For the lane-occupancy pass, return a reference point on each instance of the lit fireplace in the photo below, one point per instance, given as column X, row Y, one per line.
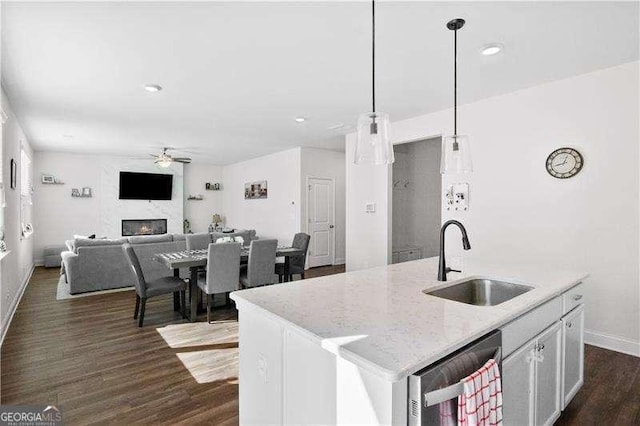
column 143, row 227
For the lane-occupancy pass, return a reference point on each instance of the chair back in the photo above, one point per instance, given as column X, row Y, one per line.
column 223, row 268
column 262, row 261
column 132, row 258
column 300, row 241
column 198, row 241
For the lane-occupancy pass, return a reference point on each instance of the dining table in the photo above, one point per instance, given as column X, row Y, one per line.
column 194, row 260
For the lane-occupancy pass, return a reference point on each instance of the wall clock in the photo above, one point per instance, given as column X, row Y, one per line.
column 564, row 163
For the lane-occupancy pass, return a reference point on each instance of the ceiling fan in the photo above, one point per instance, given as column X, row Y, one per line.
column 165, row 160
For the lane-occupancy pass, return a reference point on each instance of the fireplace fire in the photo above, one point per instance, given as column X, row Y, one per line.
column 132, row 227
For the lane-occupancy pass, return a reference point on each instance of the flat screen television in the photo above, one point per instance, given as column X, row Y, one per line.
column 145, row 186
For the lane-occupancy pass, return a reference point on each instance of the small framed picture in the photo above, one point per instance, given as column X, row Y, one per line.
column 86, row 191
column 75, row 192
column 207, row 186
column 48, row 179
column 216, row 186
column 255, row 190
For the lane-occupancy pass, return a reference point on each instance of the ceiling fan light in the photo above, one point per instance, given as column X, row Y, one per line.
column 456, row 155
column 163, row 162
column 373, row 145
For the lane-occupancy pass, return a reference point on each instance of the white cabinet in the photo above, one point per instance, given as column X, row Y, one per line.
column 548, row 366
column 518, row 378
column 572, row 354
column 531, row 380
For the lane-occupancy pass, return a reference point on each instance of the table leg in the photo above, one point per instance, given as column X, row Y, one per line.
column 286, row 269
column 193, row 293
column 176, row 294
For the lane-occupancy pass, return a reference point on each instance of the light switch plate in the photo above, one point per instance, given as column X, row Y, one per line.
column 370, row 208
column 456, row 197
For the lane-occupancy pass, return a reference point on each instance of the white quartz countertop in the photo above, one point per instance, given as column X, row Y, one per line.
column 380, row 320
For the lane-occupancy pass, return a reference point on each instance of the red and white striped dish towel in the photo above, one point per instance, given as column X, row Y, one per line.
column 481, row 402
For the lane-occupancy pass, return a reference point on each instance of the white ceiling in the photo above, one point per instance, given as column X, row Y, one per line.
column 235, row 75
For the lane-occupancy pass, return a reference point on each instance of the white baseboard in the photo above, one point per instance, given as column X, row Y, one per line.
column 614, row 343
column 339, row 261
column 14, row 304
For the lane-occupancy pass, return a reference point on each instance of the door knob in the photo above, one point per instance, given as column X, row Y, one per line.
column 331, row 226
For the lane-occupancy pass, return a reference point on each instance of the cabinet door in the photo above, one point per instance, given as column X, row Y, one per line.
column 572, row 354
column 548, row 356
column 403, row 256
column 518, row 386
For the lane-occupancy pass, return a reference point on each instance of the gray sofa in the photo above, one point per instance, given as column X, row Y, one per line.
column 100, row 264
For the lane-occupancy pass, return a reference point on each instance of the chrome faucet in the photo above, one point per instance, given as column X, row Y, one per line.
column 442, row 268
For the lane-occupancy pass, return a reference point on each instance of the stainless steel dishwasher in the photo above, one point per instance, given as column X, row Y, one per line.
column 433, row 391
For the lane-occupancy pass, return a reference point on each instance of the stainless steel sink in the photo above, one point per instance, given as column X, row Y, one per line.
column 480, row 291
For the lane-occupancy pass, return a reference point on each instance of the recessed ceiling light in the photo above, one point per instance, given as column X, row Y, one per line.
column 67, row 136
column 300, row 119
column 491, row 49
column 152, row 88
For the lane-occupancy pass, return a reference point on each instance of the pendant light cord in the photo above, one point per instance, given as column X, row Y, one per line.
column 373, row 55
column 455, row 83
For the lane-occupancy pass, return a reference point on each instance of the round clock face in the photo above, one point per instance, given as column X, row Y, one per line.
column 564, row 163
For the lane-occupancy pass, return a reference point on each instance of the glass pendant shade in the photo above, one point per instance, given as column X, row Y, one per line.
column 456, row 155
column 373, row 145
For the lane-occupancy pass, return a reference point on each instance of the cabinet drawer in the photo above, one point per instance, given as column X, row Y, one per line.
column 572, row 298
column 527, row 326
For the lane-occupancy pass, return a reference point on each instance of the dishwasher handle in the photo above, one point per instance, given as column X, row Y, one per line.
column 437, row 396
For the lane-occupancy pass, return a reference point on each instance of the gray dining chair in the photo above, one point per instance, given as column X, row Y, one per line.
column 198, row 241
column 296, row 263
column 147, row 289
column 259, row 270
column 223, row 272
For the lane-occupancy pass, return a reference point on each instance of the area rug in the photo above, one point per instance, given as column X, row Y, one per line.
column 64, row 292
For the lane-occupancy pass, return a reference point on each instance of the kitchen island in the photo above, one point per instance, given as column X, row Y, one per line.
column 338, row 349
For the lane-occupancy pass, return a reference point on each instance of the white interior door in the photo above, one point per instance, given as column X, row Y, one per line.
column 320, row 214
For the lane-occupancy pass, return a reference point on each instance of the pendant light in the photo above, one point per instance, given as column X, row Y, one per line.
column 456, row 155
column 373, row 145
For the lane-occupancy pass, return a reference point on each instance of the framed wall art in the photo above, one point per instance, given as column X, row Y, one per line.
column 255, row 190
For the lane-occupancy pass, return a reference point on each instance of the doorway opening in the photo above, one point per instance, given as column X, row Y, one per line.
column 416, row 200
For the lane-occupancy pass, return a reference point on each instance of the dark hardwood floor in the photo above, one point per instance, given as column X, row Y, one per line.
column 88, row 356
column 611, row 391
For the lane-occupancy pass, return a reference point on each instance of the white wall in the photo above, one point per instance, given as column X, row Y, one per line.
column 278, row 215
column 16, row 266
column 518, row 213
column 326, row 164
column 58, row 216
column 199, row 213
